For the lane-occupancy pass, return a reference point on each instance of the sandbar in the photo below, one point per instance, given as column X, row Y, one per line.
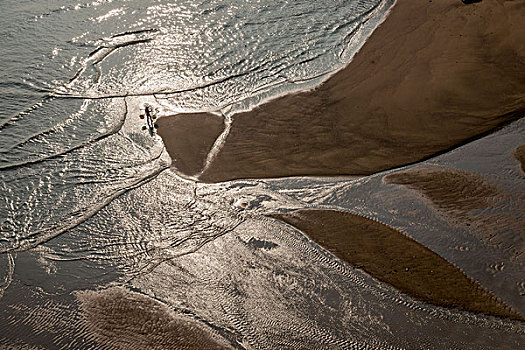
column 189, row 138
column 392, row 257
column 433, row 76
column 121, row 319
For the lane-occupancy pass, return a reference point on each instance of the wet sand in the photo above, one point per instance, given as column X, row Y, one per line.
column 392, row 257
column 468, row 199
column 187, row 144
column 121, row 319
column 454, row 191
column 431, row 77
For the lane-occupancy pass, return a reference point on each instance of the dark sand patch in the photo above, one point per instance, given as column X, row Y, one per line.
column 432, row 76
column 493, row 216
column 126, row 320
column 454, row 191
column 189, row 138
column 396, row 259
column 520, row 156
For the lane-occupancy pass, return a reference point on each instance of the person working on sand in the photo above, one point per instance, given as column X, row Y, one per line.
column 149, row 116
column 148, row 113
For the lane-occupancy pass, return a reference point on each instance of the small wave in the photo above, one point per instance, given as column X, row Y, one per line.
column 36, row 237
column 57, row 129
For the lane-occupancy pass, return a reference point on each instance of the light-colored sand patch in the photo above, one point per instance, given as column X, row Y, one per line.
column 122, row 319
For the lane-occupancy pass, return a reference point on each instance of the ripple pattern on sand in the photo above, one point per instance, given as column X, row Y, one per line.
column 392, row 257
column 123, row 319
column 474, row 202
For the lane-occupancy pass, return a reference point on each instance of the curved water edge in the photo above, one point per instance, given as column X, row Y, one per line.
column 358, row 28
column 55, row 192
column 56, row 133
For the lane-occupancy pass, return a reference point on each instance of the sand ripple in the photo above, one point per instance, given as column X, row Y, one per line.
column 392, row 257
column 127, row 320
column 468, row 199
column 457, row 192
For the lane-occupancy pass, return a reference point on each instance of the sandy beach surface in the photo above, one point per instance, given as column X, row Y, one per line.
column 396, row 259
column 434, row 75
column 115, row 237
column 188, row 145
column 122, row 319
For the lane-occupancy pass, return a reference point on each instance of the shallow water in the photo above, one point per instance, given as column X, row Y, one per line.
column 74, row 78
column 89, row 202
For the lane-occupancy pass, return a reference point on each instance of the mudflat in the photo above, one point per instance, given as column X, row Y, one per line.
column 392, row 257
column 189, row 138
